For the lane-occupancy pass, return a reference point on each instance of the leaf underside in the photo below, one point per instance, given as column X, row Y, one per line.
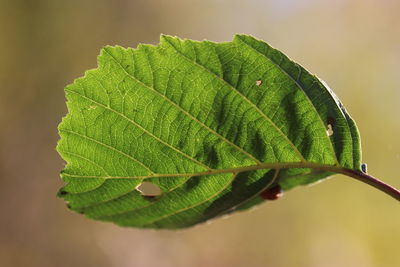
column 211, row 124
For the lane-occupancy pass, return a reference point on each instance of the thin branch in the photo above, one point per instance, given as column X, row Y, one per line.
column 368, row 179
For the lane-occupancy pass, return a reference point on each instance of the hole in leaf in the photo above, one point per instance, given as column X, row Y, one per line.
column 329, row 132
column 148, row 189
column 272, row 193
column 258, row 82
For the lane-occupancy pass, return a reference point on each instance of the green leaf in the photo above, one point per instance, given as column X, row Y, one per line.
column 211, row 125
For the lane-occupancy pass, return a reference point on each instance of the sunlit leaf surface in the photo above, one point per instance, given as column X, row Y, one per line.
column 172, row 135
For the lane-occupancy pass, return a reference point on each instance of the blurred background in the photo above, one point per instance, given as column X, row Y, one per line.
column 353, row 45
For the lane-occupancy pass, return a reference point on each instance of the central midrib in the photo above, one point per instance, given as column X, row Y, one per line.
column 281, row 165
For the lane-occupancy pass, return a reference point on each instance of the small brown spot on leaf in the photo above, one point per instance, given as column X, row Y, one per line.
column 148, row 189
column 331, row 121
column 258, row 82
column 272, row 193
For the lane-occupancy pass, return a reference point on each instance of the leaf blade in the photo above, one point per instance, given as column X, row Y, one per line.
column 182, row 110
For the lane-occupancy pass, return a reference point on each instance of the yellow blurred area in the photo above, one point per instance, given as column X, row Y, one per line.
column 353, row 45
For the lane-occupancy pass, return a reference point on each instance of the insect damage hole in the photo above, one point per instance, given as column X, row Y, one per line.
column 329, row 132
column 331, row 122
column 148, row 189
column 258, row 82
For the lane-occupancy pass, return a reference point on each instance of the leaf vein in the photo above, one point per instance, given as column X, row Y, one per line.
column 185, row 112
column 143, row 129
column 138, row 208
column 195, row 205
column 109, row 147
column 297, row 84
column 244, row 98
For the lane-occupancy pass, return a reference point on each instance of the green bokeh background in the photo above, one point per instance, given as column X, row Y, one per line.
column 353, row 45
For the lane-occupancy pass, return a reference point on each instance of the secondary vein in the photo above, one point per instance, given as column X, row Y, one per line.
column 297, row 84
column 185, row 112
column 245, row 99
column 141, row 128
column 109, row 147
